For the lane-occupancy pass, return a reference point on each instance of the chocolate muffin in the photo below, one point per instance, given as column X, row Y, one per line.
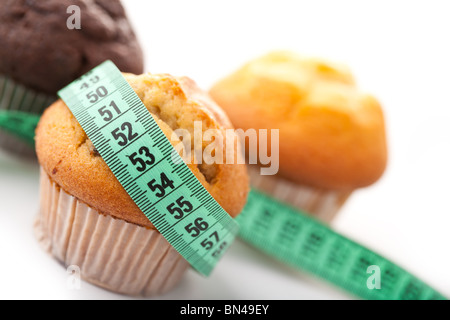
column 39, row 51
column 40, row 54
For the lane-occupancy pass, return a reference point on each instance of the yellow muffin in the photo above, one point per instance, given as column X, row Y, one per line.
column 331, row 135
column 73, row 169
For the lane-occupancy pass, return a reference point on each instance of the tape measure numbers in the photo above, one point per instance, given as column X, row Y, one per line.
column 299, row 240
column 142, row 159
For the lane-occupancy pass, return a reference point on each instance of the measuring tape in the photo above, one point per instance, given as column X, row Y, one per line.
column 142, row 159
column 299, row 240
column 19, row 124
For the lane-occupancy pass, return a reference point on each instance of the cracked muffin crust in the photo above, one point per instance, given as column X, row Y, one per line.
column 39, row 51
column 332, row 135
column 69, row 158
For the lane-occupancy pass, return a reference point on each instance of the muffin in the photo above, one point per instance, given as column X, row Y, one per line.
column 86, row 217
column 39, row 54
column 331, row 135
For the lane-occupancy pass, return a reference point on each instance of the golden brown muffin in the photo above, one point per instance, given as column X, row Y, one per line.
column 332, row 135
column 69, row 158
column 87, row 219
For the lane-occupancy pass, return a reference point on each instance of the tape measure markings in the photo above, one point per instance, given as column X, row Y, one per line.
column 303, row 242
column 158, row 181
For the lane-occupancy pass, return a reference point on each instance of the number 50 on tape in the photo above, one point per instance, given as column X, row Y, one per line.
column 142, row 159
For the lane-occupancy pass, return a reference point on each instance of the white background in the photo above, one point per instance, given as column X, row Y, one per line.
column 398, row 51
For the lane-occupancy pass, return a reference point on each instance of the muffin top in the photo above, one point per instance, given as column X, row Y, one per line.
column 331, row 135
column 39, row 51
column 71, row 161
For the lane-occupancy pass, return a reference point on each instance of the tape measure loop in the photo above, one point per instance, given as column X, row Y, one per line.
column 141, row 157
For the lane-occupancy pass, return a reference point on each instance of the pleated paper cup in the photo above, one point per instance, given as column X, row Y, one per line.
column 111, row 253
column 16, row 97
column 321, row 204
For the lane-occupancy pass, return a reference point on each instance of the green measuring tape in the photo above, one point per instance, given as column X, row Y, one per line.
column 19, row 124
column 142, row 159
column 299, row 240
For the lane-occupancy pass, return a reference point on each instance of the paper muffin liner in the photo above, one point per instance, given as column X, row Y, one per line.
column 322, row 204
column 111, row 253
column 16, row 97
